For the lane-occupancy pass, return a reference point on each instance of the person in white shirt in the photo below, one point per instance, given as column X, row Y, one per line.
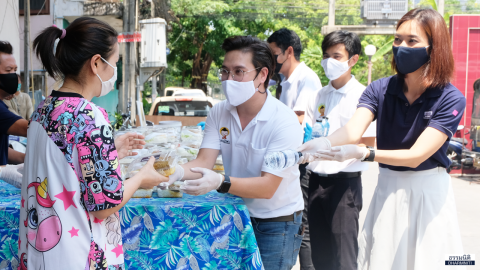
column 299, row 85
column 335, row 197
column 300, row 81
column 246, row 126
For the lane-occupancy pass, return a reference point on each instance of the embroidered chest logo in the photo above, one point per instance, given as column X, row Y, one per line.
column 428, row 115
column 321, row 109
column 224, row 132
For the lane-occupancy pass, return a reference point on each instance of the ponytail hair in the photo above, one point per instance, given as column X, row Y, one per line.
column 84, row 38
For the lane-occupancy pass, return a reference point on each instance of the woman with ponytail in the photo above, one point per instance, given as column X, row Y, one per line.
column 72, row 158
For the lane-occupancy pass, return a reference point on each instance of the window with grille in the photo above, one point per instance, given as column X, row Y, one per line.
column 37, row 7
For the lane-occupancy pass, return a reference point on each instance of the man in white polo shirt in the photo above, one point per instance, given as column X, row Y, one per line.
column 246, row 126
column 300, row 84
column 335, row 189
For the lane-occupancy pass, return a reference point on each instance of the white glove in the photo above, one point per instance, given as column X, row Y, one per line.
column 12, row 174
column 342, row 153
column 310, row 148
column 209, row 181
column 176, row 176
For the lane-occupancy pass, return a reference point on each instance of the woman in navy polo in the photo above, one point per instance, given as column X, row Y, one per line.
column 412, row 220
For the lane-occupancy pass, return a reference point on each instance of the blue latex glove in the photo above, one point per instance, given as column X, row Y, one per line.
column 307, row 136
column 202, row 124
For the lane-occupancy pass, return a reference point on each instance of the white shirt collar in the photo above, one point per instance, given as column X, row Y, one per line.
column 295, row 74
column 264, row 114
column 343, row 90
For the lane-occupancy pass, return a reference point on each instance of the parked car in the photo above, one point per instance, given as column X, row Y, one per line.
column 181, row 91
column 181, row 106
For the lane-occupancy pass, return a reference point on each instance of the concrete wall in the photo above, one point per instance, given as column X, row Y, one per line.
column 10, row 29
column 58, row 10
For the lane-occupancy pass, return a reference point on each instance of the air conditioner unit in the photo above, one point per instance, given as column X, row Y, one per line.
column 384, row 11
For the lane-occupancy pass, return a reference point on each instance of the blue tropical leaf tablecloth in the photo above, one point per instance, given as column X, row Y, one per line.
column 209, row 232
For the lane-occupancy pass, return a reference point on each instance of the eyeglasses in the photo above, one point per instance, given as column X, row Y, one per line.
column 237, row 74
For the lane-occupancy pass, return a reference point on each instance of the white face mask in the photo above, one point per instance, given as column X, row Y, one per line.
column 334, row 68
column 238, row 92
column 107, row 86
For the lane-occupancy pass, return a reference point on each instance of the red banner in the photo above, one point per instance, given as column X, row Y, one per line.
column 130, row 37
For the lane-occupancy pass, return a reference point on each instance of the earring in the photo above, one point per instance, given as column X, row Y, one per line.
column 259, row 91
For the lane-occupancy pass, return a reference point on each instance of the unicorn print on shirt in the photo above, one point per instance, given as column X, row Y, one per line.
column 44, row 228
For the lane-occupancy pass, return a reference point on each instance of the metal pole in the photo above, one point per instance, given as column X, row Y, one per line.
column 133, row 62
column 26, row 47
column 441, row 7
column 370, row 69
column 152, row 11
column 331, row 13
column 129, row 59
column 154, row 88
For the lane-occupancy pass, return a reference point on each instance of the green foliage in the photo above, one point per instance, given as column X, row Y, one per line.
column 453, row 7
column 204, row 24
column 147, row 92
column 118, row 122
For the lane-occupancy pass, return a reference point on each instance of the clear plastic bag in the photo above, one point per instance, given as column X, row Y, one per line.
column 218, row 167
column 186, row 151
column 159, row 135
column 192, row 133
column 165, row 163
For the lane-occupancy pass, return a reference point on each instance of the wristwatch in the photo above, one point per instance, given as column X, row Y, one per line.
column 225, row 186
column 371, row 157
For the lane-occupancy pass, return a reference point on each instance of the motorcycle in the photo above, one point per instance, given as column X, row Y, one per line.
column 459, row 154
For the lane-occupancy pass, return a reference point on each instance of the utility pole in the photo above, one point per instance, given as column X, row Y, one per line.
column 154, row 78
column 130, row 57
column 26, row 47
column 441, row 7
column 331, row 13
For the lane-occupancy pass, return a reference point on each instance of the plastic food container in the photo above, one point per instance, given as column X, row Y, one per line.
column 192, row 133
column 177, row 125
column 173, row 191
column 218, row 167
column 169, row 193
column 143, row 193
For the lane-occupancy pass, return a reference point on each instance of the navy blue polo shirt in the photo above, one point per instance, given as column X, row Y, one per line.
column 7, row 119
column 399, row 124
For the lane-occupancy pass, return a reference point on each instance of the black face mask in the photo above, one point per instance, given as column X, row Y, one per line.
column 9, row 83
column 278, row 66
column 408, row 60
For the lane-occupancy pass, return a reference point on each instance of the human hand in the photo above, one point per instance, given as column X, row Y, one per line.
column 9, row 97
column 12, row 174
column 209, row 181
column 202, row 124
column 344, row 152
column 310, row 148
column 128, row 142
column 149, row 177
column 176, row 176
column 307, row 135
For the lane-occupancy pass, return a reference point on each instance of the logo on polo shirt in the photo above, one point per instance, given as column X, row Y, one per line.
column 321, row 109
column 428, row 115
column 224, row 131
